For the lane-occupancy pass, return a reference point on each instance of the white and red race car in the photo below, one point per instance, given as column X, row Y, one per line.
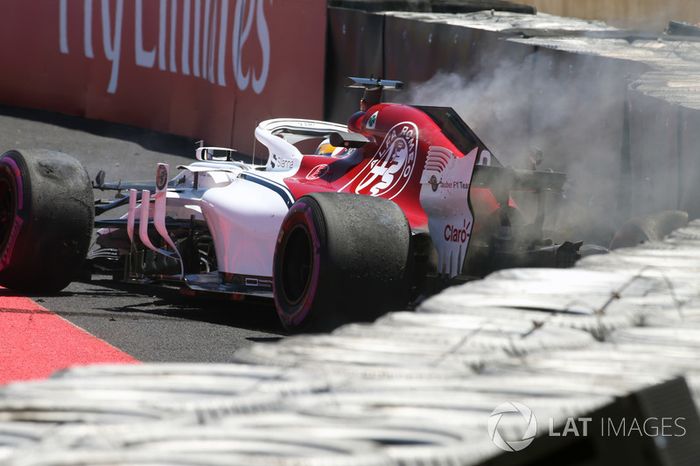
column 383, row 208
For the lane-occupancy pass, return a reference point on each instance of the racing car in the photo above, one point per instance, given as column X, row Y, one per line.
column 342, row 222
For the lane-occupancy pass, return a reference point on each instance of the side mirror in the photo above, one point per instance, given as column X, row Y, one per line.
column 349, row 140
column 214, row 154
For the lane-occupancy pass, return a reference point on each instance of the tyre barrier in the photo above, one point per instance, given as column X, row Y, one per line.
column 623, row 363
column 310, row 439
column 322, row 353
column 406, row 440
column 228, row 440
column 161, row 399
column 190, row 390
column 451, row 310
column 475, row 333
column 198, row 443
column 687, row 336
column 111, row 458
column 464, row 411
column 161, row 458
column 15, row 435
column 189, row 380
column 231, row 372
column 50, row 410
column 689, row 234
column 617, row 355
column 413, row 388
column 509, row 383
column 311, row 377
column 572, row 290
column 688, row 314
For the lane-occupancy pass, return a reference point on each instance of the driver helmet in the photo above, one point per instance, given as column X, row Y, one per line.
column 326, row 148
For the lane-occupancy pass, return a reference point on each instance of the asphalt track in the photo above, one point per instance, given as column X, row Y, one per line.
column 121, row 322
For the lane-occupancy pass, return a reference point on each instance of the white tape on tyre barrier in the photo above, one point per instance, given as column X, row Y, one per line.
column 511, row 337
column 448, row 311
column 14, row 435
column 597, row 363
column 671, row 316
column 261, row 446
column 165, row 389
column 511, row 385
column 222, row 371
column 44, row 403
column 686, row 336
column 161, row 458
column 76, row 411
column 312, row 352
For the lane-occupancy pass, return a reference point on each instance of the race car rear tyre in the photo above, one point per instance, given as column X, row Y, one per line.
column 340, row 258
column 46, row 220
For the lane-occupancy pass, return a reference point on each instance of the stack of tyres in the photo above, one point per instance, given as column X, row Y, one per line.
column 122, row 458
column 410, row 389
column 326, row 352
column 179, row 390
column 597, row 325
column 463, row 410
column 673, row 346
column 15, row 435
column 227, row 379
column 162, row 458
column 471, row 333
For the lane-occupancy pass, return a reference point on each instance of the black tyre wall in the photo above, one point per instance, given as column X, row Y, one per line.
column 54, row 218
column 360, row 260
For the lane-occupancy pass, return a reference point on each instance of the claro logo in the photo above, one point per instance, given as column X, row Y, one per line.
column 193, row 38
column 457, row 234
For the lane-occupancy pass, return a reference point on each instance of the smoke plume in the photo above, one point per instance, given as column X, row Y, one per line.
column 572, row 110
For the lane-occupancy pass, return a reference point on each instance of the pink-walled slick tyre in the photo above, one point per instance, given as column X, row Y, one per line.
column 46, row 220
column 340, row 258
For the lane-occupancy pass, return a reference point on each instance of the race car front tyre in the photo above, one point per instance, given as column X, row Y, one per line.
column 340, row 258
column 46, row 220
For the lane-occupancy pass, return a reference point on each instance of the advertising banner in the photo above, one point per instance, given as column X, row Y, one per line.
column 207, row 69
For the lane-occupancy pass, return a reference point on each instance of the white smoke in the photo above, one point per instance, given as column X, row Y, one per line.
column 572, row 110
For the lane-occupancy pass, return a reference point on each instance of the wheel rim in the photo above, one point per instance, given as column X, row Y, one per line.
column 297, row 265
column 8, row 206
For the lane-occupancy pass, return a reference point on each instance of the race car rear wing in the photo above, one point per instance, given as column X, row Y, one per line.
column 510, row 179
column 373, row 88
column 374, row 83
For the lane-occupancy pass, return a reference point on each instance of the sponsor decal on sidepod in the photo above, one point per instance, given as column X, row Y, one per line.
column 391, row 167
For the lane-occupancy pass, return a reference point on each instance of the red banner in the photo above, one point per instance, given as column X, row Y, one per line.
column 208, row 69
